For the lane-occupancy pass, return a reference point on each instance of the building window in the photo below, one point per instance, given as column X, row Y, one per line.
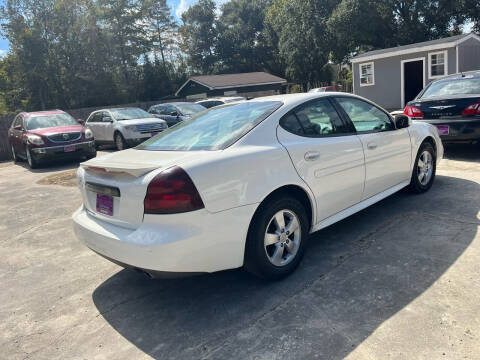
column 437, row 64
column 367, row 77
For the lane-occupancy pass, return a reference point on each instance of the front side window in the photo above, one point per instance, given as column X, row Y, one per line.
column 213, row 129
column 129, row 114
column 437, row 64
column 46, row 121
column 314, row 119
column 18, row 121
column 367, row 76
column 365, row 117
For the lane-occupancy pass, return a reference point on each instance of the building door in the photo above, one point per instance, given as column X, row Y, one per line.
column 413, row 79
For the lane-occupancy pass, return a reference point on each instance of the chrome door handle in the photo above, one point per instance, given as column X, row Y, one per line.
column 311, row 156
column 372, row 146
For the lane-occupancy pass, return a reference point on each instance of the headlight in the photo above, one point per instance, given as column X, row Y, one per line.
column 130, row 127
column 35, row 140
column 88, row 134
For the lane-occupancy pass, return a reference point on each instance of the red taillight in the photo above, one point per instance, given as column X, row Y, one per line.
column 171, row 192
column 413, row 111
column 473, row 109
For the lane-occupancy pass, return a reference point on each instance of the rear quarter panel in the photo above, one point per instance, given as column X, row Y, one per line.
column 419, row 131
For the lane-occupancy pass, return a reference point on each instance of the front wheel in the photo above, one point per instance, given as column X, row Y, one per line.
column 14, row 154
column 120, row 141
column 31, row 161
column 424, row 169
column 277, row 238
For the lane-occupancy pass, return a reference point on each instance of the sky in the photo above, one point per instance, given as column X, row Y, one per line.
column 177, row 6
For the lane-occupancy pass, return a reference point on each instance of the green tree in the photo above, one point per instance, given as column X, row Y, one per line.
column 199, row 35
column 160, row 27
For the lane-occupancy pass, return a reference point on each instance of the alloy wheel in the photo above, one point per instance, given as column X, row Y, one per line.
column 425, row 167
column 119, row 142
column 282, row 238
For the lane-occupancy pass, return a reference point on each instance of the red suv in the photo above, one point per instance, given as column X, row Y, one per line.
column 49, row 135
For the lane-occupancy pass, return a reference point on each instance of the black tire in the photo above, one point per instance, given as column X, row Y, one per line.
column 120, row 142
column 416, row 186
column 14, row 154
column 31, row 161
column 92, row 155
column 257, row 260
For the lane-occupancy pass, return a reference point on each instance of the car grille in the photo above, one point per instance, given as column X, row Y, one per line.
column 147, row 128
column 65, row 137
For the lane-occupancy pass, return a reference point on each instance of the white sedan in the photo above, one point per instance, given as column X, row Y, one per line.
column 245, row 184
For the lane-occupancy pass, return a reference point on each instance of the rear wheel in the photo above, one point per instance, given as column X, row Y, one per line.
column 277, row 238
column 424, row 169
column 120, row 141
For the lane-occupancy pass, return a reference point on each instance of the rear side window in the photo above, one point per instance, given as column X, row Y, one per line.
column 464, row 86
column 314, row 119
column 365, row 116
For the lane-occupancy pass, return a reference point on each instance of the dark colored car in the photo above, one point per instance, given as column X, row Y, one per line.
column 452, row 104
column 175, row 112
column 49, row 135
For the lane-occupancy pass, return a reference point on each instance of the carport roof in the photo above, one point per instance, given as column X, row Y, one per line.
column 415, row 47
column 225, row 81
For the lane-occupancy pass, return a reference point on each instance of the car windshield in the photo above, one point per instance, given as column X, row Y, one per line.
column 464, row 86
column 46, row 121
column 190, row 109
column 214, row 129
column 129, row 114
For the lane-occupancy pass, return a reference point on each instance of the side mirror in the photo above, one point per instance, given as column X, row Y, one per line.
column 81, row 121
column 173, row 113
column 401, row 121
column 18, row 127
column 107, row 119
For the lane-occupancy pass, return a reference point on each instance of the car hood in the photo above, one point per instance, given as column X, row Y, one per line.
column 152, row 120
column 139, row 162
column 56, row 130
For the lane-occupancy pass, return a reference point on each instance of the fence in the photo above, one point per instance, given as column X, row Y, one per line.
column 6, row 121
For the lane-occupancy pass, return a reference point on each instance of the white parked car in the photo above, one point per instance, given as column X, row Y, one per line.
column 245, row 184
column 123, row 127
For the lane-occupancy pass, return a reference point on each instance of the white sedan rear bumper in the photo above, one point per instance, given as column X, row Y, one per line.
column 192, row 242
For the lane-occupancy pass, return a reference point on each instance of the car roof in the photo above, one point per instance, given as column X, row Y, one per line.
column 43, row 113
column 469, row 74
column 288, row 99
column 119, row 108
column 221, row 98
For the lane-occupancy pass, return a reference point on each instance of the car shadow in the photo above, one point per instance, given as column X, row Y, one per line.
column 355, row 275
column 462, row 152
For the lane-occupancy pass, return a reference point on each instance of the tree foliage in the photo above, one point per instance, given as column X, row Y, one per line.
column 75, row 53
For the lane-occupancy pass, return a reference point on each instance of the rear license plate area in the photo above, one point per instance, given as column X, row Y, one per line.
column 443, row 129
column 69, row 148
column 105, row 204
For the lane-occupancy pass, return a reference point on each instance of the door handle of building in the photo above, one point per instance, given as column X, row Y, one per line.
column 372, row 146
column 312, row 156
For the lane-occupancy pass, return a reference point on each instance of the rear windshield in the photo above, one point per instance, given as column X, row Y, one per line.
column 465, row 86
column 212, row 129
column 129, row 114
column 46, row 121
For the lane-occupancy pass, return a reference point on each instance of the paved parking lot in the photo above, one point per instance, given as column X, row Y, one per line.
column 398, row 280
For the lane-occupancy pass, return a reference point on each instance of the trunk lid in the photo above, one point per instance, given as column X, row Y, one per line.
column 445, row 108
column 126, row 175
